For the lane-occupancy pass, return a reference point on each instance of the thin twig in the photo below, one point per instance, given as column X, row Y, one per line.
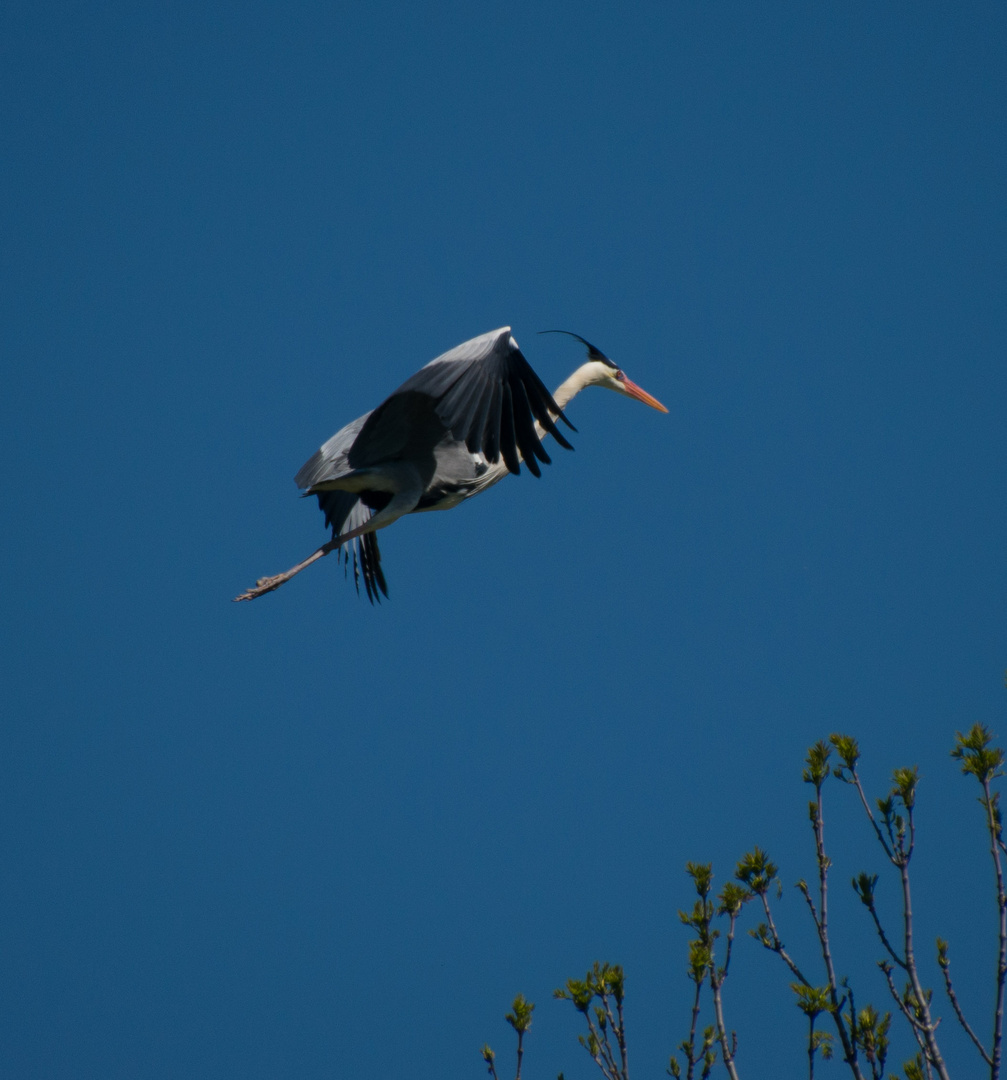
column 996, row 845
column 777, row 945
column 730, row 943
column 884, row 937
column 928, row 1027
column 899, row 855
column 903, row 1008
column 725, row 1051
column 617, row 1028
column 811, row 1046
column 609, row 1066
column 953, row 998
column 806, row 893
column 620, row 1034
column 822, row 924
column 600, row 1061
column 870, row 816
column 717, row 977
column 691, row 1044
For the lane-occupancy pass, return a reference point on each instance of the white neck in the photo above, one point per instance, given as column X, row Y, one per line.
column 568, row 390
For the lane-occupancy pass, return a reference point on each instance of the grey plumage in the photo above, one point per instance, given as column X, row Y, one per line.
column 453, row 429
column 478, row 401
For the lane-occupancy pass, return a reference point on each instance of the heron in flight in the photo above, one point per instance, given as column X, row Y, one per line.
column 458, row 426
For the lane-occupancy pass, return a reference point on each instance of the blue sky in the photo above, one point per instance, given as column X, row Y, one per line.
column 305, row 837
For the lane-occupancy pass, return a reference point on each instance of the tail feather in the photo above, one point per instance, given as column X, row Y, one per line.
column 344, row 511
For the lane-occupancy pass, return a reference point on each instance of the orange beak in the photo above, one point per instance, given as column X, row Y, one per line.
column 640, row 394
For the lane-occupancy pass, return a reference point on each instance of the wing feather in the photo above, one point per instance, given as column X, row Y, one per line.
column 527, row 438
column 332, row 458
column 508, row 438
column 344, row 511
column 487, row 395
column 483, row 392
column 489, row 438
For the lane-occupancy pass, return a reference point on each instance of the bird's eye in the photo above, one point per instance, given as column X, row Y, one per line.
column 620, row 376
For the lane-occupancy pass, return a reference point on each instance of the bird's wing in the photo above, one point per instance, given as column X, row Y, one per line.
column 484, row 392
column 330, row 460
column 343, row 509
column 344, row 512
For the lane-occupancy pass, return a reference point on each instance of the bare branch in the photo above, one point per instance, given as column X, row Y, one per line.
column 690, row 1046
column 984, row 761
column 945, row 966
column 866, row 895
column 855, row 780
column 903, row 1007
column 806, row 893
column 726, row 1052
column 773, row 943
column 990, row 804
column 821, row 918
column 927, row 1027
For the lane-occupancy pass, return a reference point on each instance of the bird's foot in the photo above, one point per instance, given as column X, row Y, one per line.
column 267, row 584
column 262, row 586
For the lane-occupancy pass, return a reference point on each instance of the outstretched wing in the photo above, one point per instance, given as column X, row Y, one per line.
column 484, row 392
column 331, row 460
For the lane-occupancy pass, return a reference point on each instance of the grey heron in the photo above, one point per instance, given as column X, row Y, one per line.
column 458, row 426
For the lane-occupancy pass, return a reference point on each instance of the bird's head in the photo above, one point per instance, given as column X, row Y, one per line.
column 601, row 371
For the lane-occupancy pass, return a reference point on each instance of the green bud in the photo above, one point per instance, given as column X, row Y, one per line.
column 913, row 1068
column 976, row 754
column 812, row 1000
column 731, row 898
column 905, row 781
column 848, row 751
column 863, row 886
column 702, row 876
column 520, row 1018
column 817, row 763
column 757, row 871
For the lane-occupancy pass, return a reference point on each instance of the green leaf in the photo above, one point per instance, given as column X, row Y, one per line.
column 849, row 754
column 863, row 886
column 817, row 764
column 821, row 1042
column 520, row 1018
column 731, row 898
column 757, row 871
column 812, row 1000
column 905, row 781
column 976, row 754
column 869, row 1029
column 913, row 1068
column 702, row 876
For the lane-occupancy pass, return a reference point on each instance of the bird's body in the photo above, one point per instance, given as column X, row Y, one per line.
column 457, row 427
